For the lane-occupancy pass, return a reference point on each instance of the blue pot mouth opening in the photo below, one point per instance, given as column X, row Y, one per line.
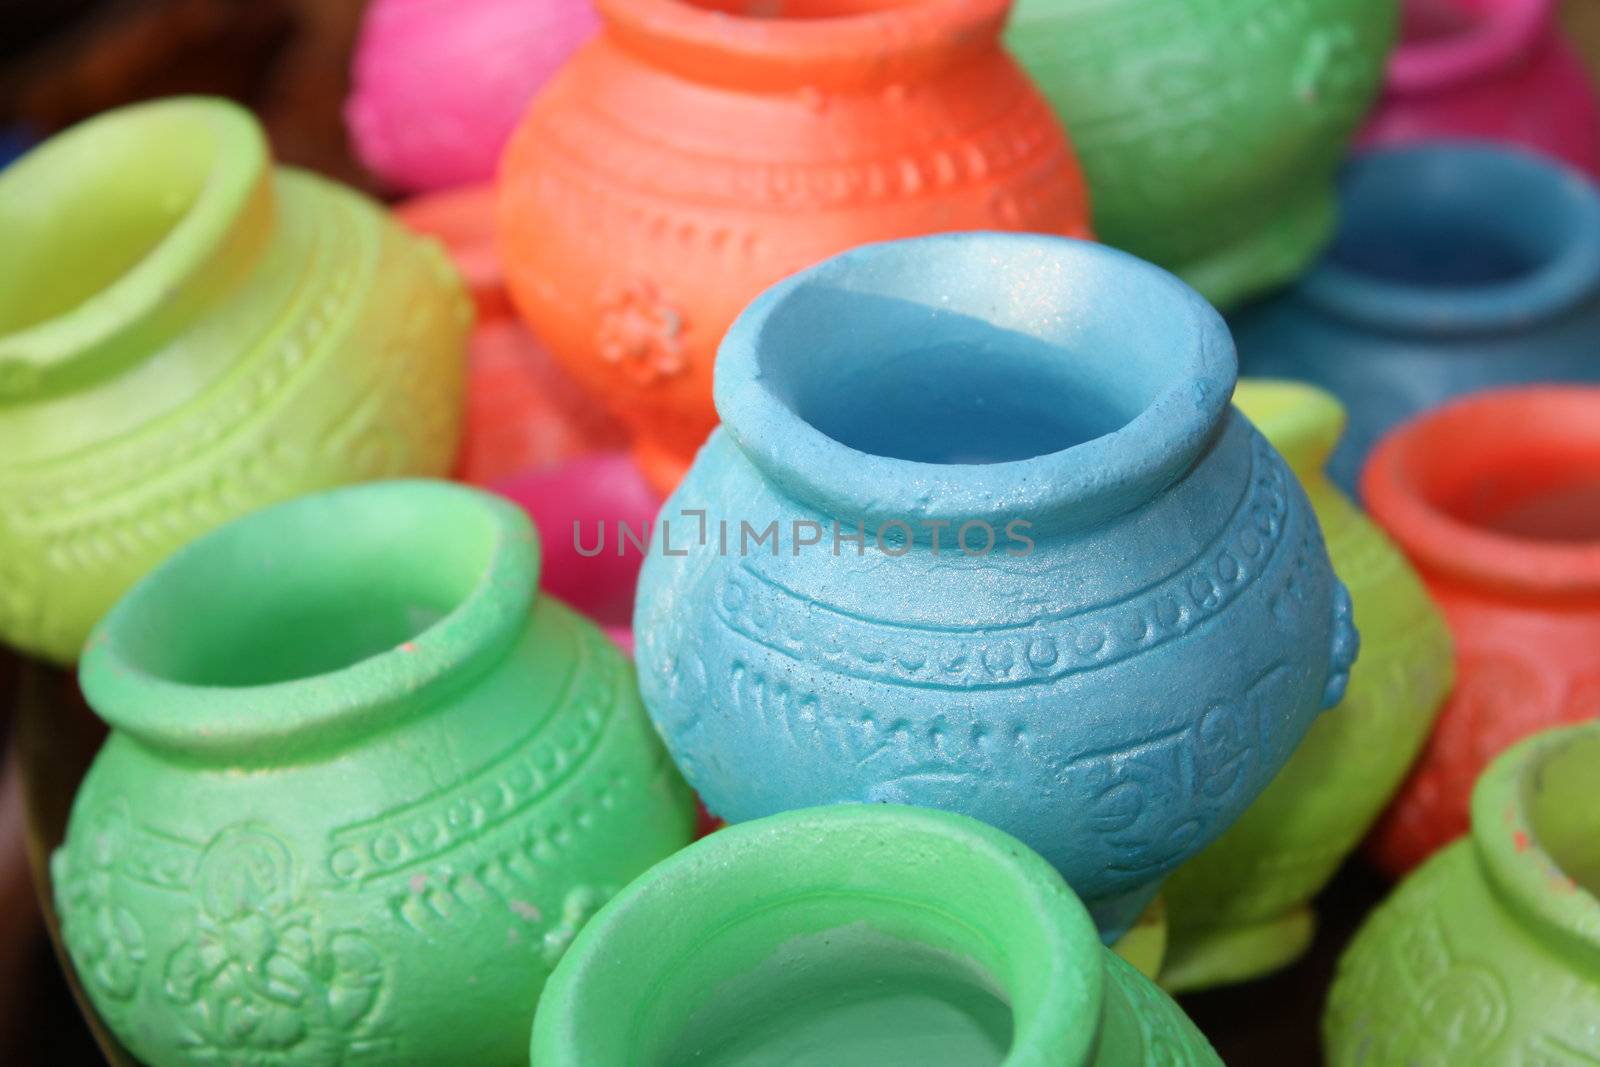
column 1456, row 237
column 976, row 376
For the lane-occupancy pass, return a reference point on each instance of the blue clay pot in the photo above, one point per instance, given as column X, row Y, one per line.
column 1112, row 680
column 1458, row 266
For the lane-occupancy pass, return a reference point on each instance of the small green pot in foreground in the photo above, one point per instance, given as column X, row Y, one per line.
column 854, row 936
column 1489, row 953
column 362, row 787
column 188, row 333
column 1240, row 908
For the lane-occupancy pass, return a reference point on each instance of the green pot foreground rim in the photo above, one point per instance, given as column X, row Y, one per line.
column 655, row 926
column 237, row 166
column 333, row 535
column 1533, row 816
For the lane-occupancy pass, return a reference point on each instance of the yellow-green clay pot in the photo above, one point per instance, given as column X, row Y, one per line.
column 187, row 333
column 1240, row 908
column 1488, row 955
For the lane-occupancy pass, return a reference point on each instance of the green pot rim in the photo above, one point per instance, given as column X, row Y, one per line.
column 283, row 718
column 236, row 176
column 1506, row 834
column 1057, row 1024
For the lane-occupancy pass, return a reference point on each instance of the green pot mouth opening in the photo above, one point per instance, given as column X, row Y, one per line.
column 304, row 623
column 831, row 929
column 1533, row 820
column 108, row 222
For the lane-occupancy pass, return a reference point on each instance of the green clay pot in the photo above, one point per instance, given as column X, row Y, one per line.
column 1210, row 130
column 1489, row 953
column 362, row 788
column 188, row 333
column 1240, row 908
column 854, row 936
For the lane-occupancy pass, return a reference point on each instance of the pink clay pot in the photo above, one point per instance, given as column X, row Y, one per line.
column 598, row 493
column 439, row 85
column 1493, row 69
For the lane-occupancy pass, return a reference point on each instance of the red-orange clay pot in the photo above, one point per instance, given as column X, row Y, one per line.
column 1496, row 499
column 523, row 412
column 695, row 152
column 463, row 221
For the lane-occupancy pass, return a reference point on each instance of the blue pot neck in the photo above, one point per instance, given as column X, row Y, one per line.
column 978, row 376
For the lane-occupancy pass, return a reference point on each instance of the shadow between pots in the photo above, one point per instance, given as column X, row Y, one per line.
column 55, row 737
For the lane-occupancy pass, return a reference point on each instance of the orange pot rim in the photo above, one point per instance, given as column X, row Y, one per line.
column 878, row 42
column 1402, row 475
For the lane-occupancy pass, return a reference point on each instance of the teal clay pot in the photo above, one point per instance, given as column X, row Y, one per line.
column 1240, row 909
column 188, row 333
column 854, row 936
column 1489, row 953
column 1210, row 130
column 362, row 787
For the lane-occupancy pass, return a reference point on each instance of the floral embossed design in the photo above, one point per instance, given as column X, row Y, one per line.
column 106, row 942
column 1408, row 994
column 642, row 332
column 259, row 982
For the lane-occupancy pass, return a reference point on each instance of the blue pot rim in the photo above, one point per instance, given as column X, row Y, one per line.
column 1566, row 280
column 1081, row 485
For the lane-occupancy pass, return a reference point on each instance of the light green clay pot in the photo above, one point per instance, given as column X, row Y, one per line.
column 1489, row 953
column 188, row 333
column 1240, row 909
column 854, row 936
column 362, row 788
column 1210, row 130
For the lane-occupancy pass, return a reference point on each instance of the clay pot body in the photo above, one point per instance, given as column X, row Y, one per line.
column 1490, row 952
column 856, row 936
column 1496, row 499
column 188, row 333
column 438, row 85
column 523, row 412
column 463, row 221
column 1054, row 663
column 692, row 155
column 1434, row 289
column 1240, row 909
column 1495, row 69
column 1210, row 133
column 581, row 508
column 362, row 788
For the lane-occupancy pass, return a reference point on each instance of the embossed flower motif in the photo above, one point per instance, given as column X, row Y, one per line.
column 641, row 332
column 260, row 985
column 106, row 941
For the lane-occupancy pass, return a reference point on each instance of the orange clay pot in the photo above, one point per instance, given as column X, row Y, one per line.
column 1496, row 499
column 463, row 221
column 523, row 412
column 696, row 152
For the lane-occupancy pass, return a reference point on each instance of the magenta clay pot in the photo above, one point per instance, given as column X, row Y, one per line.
column 1492, row 69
